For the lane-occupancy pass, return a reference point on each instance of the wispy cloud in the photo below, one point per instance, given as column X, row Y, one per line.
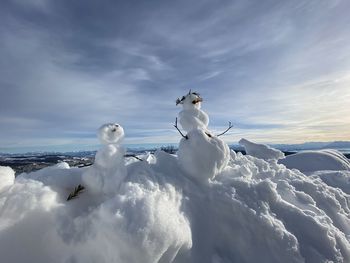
column 278, row 70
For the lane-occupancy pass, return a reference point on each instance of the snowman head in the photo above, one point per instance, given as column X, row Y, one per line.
column 110, row 133
column 190, row 100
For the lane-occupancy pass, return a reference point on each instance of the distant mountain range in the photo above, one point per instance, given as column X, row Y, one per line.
column 343, row 146
column 27, row 162
column 338, row 145
column 314, row 146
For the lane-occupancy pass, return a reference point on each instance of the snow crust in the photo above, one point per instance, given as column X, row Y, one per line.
column 261, row 151
column 309, row 161
column 7, row 177
column 252, row 211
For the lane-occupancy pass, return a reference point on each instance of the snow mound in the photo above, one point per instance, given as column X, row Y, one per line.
column 261, row 151
column 7, row 177
column 337, row 179
column 309, row 161
column 252, row 211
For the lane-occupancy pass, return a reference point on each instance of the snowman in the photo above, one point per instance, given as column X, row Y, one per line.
column 201, row 154
column 108, row 170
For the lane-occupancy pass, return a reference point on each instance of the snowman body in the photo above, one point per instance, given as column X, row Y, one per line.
column 193, row 119
column 201, row 156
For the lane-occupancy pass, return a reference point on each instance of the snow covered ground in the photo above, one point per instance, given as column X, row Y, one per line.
column 205, row 204
column 309, row 161
column 250, row 210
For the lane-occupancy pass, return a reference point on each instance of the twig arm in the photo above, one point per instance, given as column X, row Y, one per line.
column 133, row 155
column 74, row 194
column 229, row 127
column 175, row 125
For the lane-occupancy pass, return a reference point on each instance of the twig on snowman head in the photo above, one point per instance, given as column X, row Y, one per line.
column 185, row 136
column 229, row 127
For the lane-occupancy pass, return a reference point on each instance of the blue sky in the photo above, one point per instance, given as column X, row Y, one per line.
column 279, row 70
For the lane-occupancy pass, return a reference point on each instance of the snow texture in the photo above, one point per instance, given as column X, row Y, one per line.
column 7, row 177
column 253, row 211
column 261, row 151
column 309, row 161
column 337, row 179
column 205, row 204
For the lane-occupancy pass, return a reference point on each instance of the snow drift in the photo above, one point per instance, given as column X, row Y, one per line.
column 261, row 151
column 309, row 161
column 7, row 177
column 252, row 211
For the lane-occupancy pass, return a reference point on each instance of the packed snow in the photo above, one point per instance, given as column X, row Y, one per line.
column 7, row 177
column 204, row 204
column 261, row 151
column 309, row 161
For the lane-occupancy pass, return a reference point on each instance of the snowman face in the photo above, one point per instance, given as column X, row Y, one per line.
column 110, row 133
column 191, row 100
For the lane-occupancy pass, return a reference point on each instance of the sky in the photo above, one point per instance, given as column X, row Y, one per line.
column 278, row 70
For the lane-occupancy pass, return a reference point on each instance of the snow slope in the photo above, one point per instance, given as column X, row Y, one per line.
column 308, row 161
column 252, row 211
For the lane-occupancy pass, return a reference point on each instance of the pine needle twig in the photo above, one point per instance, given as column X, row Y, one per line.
column 133, row 155
column 76, row 192
column 84, row 165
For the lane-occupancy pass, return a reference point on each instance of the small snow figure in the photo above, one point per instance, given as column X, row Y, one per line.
column 108, row 170
column 192, row 117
